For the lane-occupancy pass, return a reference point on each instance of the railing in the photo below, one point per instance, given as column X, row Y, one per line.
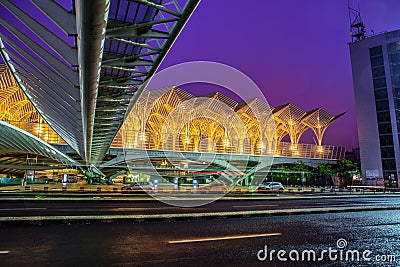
column 198, row 143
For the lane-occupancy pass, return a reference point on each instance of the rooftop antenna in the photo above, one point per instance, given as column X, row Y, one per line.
column 357, row 26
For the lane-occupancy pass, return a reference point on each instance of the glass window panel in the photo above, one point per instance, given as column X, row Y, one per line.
column 381, row 94
column 380, row 82
column 384, row 128
column 377, row 61
column 382, row 105
column 395, row 57
column 386, row 140
column 383, row 116
column 375, row 51
column 396, row 69
column 378, row 71
column 393, row 47
column 387, row 152
column 388, row 164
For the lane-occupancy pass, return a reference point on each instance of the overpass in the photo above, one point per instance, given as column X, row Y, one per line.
column 84, row 63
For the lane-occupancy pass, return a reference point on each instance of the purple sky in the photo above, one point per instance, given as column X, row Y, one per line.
column 295, row 51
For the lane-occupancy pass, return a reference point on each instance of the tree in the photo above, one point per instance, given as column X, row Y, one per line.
column 301, row 170
column 282, row 174
column 346, row 169
column 324, row 172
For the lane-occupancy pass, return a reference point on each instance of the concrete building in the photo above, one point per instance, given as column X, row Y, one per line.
column 375, row 64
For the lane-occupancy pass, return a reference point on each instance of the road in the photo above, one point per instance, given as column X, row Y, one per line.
column 42, row 207
column 224, row 242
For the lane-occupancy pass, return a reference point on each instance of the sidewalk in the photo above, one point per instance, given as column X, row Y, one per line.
column 38, row 220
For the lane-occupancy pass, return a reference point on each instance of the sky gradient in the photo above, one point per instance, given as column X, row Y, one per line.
column 295, row 51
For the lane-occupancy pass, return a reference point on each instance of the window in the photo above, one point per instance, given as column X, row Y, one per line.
column 396, row 80
column 388, row 164
column 385, row 128
column 395, row 57
column 382, row 105
column 380, row 82
column 381, row 94
column 383, row 116
column 396, row 69
column 392, row 47
column 376, row 61
column 375, row 51
column 387, row 152
column 386, row 140
column 378, row 71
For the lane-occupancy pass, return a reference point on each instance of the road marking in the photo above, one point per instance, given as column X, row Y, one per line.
column 249, row 206
column 4, row 251
column 23, row 209
column 133, row 209
column 221, row 238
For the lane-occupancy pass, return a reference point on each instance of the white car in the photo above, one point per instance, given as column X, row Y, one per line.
column 271, row 186
column 139, row 186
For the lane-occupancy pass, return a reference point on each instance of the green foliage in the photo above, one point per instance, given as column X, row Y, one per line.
column 324, row 173
column 282, row 173
column 347, row 168
column 324, row 170
column 300, row 166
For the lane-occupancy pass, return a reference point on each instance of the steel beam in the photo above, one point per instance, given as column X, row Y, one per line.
column 91, row 21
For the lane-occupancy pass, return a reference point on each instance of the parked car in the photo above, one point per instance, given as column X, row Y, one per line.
column 139, row 186
column 272, row 186
column 214, row 187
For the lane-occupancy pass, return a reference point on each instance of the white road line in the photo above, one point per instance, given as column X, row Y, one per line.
column 249, row 206
column 23, row 209
column 4, row 251
column 133, row 209
column 221, row 238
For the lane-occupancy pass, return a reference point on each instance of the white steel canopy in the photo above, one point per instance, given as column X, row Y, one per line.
column 15, row 140
column 83, row 63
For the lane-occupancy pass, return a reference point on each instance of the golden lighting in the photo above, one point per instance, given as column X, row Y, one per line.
column 173, row 119
column 17, row 110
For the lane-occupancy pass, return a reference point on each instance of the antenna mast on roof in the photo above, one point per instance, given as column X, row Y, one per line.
column 357, row 26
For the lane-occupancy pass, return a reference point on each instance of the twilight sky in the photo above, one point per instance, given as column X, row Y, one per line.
column 295, row 51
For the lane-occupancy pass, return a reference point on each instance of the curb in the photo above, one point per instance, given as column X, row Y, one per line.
column 148, row 198
column 38, row 220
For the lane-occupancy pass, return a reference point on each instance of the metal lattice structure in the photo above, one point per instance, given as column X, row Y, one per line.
column 318, row 121
column 14, row 106
column 289, row 118
column 173, row 119
column 84, row 65
column 17, row 110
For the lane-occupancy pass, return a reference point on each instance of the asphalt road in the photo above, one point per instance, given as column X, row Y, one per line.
column 224, row 242
column 42, row 207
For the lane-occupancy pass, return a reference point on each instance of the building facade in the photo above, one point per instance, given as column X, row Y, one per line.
column 375, row 64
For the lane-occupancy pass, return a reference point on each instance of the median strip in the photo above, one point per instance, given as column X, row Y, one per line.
column 191, row 216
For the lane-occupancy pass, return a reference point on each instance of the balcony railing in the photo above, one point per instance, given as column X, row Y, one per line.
column 197, row 143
